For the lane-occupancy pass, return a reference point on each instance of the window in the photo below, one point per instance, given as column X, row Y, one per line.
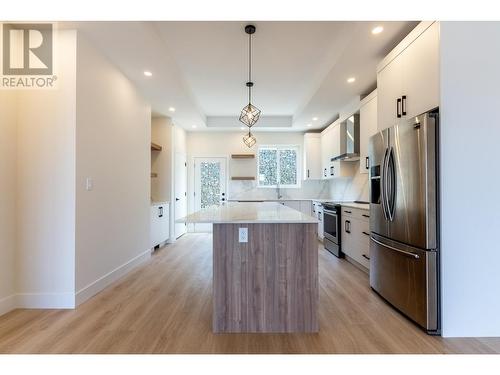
column 278, row 165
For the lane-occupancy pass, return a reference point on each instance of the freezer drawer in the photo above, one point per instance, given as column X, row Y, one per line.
column 407, row 278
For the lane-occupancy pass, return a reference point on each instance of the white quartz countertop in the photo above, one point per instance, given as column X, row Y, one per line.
column 278, row 200
column 249, row 212
column 361, row 206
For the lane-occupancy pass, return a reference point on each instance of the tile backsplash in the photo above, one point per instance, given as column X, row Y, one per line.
column 341, row 189
column 354, row 188
column 249, row 190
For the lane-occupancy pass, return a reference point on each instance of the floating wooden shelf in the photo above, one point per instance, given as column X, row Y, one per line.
column 249, row 178
column 242, row 156
column 155, row 147
column 154, row 175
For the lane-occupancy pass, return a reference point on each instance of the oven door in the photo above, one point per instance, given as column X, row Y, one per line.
column 330, row 225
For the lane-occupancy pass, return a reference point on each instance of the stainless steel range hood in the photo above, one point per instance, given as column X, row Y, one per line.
column 349, row 140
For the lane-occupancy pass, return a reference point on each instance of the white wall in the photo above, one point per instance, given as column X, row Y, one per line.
column 470, row 178
column 217, row 144
column 46, row 186
column 113, row 135
column 8, row 212
column 179, row 139
column 161, row 161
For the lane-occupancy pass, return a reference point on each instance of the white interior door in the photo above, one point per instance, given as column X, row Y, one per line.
column 180, row 192
column 209, row 186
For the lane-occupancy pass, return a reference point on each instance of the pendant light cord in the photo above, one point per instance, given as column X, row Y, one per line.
column 249, row 67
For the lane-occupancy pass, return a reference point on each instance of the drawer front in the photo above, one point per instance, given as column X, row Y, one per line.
column 356, row 243
column 356, row 213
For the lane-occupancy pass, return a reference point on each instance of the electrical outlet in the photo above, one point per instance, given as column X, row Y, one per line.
column 89, row 184
column 243, row 235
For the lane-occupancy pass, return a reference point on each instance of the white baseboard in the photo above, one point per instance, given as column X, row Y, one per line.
column 96, row 286
column 45, row 301
column 7, row 304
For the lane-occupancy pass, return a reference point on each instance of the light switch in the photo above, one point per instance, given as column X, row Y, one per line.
column 243, row 234
column 89, row 184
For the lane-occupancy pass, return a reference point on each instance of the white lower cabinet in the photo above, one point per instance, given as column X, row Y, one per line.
column 160, row 224
column 355, row 238
column 317, row 212
column 306, row 207
column 293, row 204
column 303, row 206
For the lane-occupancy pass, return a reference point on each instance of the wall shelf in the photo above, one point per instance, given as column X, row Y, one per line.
column 155, row 147
column 243, row 178
column 242, row 156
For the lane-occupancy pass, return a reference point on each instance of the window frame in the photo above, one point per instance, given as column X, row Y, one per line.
column 278, row 147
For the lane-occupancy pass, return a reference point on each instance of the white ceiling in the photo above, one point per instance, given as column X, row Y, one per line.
column 200, row 68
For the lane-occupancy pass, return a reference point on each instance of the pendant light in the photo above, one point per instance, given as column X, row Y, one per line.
column 249, row 140
column 250, row 114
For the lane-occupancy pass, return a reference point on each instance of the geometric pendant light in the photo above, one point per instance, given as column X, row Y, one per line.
column 249, row 114
column 249, row 140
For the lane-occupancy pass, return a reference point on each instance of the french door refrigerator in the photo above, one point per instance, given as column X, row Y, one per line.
column 404, row 218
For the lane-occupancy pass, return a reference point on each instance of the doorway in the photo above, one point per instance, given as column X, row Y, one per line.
column 209, row 186
column 180, row 192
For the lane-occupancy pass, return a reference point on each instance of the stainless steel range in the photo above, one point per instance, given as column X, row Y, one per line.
column 331, row 228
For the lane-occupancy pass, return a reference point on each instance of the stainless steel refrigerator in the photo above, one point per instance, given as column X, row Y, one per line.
column 404, row 213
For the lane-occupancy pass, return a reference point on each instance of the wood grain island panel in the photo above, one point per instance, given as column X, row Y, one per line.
column 270, row 283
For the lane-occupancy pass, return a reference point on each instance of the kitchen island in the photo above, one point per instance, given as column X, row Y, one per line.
column 265, row 267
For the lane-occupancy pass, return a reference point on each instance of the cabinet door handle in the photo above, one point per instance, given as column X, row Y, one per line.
column 160, row 211
column 347, row 226
column 398, row 107
column 365, row 215
column 403, row 105
column 324, row 172
column 347, row 212
column 367, row 162
column 366, row 256
column 367, row 234
column 308, row 173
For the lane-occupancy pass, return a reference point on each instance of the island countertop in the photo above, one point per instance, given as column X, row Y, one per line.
column 248, row 212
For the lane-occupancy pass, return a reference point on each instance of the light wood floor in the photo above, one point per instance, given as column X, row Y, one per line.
column 165, row 306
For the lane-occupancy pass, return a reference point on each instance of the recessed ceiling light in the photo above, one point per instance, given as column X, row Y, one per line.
column 309, row 125
column 147, row 73
column 171, row 109
column 351, row 79
column 377, row 30
column 315, row 119
column 194, row 126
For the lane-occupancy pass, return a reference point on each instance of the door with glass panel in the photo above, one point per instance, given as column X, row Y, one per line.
column 209, row 186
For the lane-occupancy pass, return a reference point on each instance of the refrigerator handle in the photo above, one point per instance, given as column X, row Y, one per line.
column 383, row 190
column 391, row 199
column 408, row 253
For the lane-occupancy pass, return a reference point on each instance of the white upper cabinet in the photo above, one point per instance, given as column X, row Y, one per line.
column 389, row 88
column 312, row 156
column 421, row 73
column 330, row 146
column 408, row 78
column 326, row 151
column 368, row 127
